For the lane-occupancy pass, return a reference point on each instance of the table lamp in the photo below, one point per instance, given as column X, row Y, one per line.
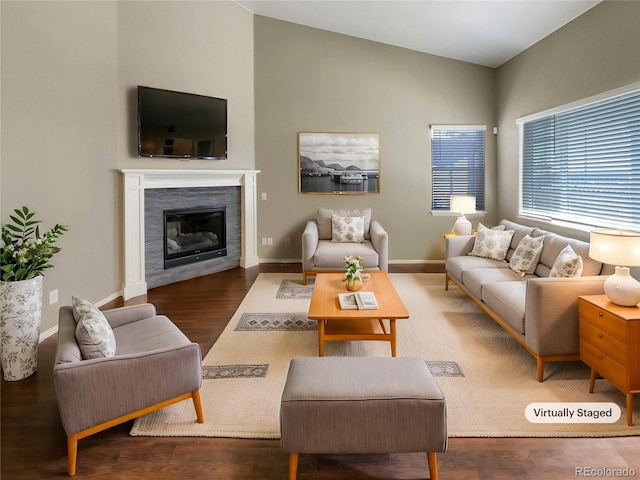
column 618, row 248
column 462, row 204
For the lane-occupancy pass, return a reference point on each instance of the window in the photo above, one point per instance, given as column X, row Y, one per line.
column 582, row 164
column 457, row 163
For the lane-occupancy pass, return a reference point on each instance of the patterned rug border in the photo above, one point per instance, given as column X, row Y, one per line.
column 218, row 372
column 292, row 289
column 276, row 322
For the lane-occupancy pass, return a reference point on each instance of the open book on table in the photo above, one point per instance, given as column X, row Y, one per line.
column 358, row 300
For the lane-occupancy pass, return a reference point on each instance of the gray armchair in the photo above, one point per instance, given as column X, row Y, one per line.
column 154, row 365
column 320, row 253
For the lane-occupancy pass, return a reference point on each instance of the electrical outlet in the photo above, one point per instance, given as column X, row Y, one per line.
column 264, row 195
column 53, row 297
column 269, row 241
column 264, row 240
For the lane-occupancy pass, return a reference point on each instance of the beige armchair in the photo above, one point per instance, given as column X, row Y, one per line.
column 154, row 365
column 324, row 248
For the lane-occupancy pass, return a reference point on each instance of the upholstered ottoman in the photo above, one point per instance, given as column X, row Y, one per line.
column 362, row 405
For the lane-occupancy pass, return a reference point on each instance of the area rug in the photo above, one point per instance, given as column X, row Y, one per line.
column 487, row 378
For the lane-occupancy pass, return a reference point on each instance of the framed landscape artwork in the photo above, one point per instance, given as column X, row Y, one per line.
column 339, row 163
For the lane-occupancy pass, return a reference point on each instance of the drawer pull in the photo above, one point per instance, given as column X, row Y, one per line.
column 600, row 357
column 600, row 314
column 599, row 335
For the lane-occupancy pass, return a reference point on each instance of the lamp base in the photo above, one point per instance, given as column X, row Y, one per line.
column 622, row 289
column 462, row 226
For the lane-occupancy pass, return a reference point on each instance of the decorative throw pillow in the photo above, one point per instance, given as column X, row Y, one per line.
column 347, row 229
column 93, row 332
column 525, row 258
column 80, row 307
column 491, row 243
column 567, row 264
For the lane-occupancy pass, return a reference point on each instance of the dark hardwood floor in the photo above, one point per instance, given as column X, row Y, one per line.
column 34, row 443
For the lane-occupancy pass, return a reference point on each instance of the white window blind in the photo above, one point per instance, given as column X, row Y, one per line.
column 457, row 163
column 583, row 164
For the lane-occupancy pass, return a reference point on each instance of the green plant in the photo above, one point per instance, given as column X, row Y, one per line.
column 353, row 266
column 24, row 252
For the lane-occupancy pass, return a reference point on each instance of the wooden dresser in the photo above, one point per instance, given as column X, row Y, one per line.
column 610, row 344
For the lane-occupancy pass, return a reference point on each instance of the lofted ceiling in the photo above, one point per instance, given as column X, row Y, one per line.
column 484, row 32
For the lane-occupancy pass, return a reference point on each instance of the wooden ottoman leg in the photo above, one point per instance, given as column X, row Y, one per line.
column 433, row 465
column 293, row 466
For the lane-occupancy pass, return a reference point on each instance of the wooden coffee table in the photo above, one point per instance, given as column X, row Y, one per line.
column 337, row 325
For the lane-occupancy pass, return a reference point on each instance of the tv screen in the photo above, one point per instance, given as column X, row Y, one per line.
column 181, row 125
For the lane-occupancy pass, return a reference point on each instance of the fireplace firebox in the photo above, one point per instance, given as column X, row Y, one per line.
column 193, row 235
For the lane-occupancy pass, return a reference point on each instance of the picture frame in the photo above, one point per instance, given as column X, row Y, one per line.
column 339, row 163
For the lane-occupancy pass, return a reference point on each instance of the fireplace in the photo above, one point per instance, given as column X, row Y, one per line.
column 147, row 193
column 194, row 234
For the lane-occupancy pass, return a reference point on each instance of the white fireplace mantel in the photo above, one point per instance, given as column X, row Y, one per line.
column 137, row 181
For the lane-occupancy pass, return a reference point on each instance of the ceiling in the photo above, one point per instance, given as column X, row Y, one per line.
column 485, row 32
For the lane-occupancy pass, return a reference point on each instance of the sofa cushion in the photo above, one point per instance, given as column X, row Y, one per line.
column 323, row 218
column 148, row 334
column 475, row 278
column 94, row 334
column 456, row 266
column 491, row 243
column 347, row 229
column 554, row 244
column 331, row 255
column 526, row 255
column 568, row 264
column 507, row 300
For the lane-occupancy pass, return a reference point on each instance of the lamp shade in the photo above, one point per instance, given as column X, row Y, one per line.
column 615, row 247
column 462, row 204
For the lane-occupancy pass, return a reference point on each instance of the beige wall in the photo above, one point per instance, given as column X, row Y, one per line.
column 312, row 80
column 196, row 47
column 69, row 72
column 597, row 52
column 59, row 137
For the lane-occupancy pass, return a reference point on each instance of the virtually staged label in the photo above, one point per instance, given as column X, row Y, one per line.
column 572, row 412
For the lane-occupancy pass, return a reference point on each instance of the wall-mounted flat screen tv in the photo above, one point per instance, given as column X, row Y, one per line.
column 181, row 125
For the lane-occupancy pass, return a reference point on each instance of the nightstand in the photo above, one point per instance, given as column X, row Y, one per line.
column 610, row 344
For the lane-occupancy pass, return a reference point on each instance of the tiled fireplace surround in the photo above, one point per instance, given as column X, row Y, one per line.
column 135, row 184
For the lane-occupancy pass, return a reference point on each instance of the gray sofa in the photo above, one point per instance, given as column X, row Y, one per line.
column 320, row 253
column 539, row 312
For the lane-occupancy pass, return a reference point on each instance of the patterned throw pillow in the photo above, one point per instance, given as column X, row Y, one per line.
column 491, row 243
column 525, row 258
column 93, row 332
column 567, row 264
column 347, row 229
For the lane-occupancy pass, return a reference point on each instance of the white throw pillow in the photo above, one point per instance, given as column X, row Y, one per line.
column 93, row 333
column 491, row 243
column 80, row 307
column 525, row 258
column 347, row 229
column 567, row 264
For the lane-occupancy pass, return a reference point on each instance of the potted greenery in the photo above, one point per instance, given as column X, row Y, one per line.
column 24, row 255
column 353, row 278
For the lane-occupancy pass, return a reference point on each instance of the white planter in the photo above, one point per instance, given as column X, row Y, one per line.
column 20, row 327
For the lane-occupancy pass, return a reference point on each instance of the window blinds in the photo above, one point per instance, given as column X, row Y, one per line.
column 583, row 164
column 457, row 163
